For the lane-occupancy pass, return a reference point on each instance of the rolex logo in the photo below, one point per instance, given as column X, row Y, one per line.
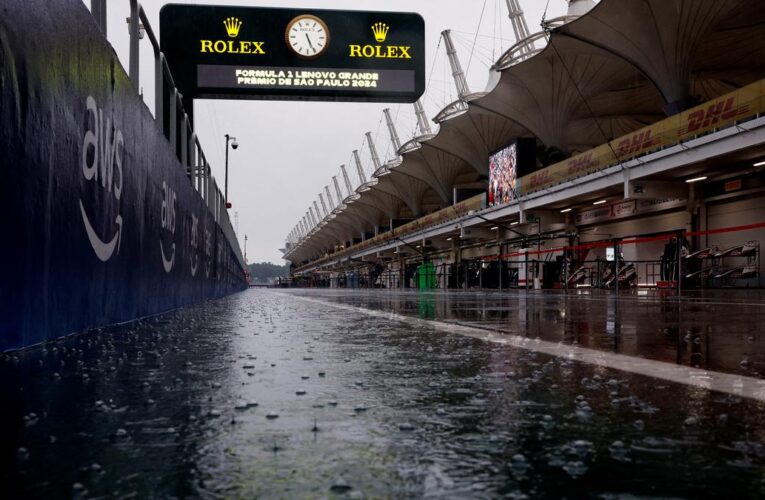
column 380, row 31
column 232, row 25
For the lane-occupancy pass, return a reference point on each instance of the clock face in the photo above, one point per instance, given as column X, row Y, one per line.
column 307, row 36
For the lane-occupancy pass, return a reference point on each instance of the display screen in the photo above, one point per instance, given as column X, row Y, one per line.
column 253, row 77
column 308, row 54
column 503, row 175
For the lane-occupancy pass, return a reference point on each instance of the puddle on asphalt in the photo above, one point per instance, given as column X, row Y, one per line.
column 264, row 394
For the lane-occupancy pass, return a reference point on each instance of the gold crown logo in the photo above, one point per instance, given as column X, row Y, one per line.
column 380, row 31
column 232, row 25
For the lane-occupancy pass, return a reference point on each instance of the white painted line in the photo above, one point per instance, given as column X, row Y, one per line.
column 737, row 385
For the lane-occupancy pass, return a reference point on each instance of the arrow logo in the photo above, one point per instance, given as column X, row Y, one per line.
column 104, row 251
column 167, row 263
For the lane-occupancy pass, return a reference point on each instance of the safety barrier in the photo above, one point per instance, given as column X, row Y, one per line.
column 178, row 129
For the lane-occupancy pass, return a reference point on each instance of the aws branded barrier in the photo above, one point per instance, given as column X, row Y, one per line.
column 316, row 54
column 100, row 222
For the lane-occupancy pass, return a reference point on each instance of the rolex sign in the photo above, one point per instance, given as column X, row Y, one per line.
column 313, row 54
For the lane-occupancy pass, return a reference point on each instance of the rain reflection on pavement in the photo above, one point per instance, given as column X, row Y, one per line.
column 267, row 394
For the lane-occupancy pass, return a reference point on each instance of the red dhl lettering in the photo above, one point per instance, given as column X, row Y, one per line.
column 714, row 114
column 635, row 144
column 580, row 163
column 539, row 178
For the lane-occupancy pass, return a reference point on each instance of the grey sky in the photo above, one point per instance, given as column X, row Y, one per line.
column 288, row 151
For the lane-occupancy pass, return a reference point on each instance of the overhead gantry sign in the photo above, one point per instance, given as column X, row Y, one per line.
column 306, row 54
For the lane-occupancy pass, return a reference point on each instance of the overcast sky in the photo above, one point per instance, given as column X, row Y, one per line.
column 288, row 151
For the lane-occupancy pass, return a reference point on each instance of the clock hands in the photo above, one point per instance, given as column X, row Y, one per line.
column 310, row 44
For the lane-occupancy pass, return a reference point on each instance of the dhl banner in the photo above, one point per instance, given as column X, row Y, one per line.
column 454, row 211
column 716, row 113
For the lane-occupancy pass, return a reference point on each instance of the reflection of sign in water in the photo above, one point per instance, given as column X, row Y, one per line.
column 502, row 176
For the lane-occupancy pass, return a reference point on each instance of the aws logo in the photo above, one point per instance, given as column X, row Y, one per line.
column 167, row 217
column 380, row 33
column 103, row 153
column 232, row 25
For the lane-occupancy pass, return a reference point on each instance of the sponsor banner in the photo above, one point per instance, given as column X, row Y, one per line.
column 216, row 51
column 253, row 77
column 448, row 213
column 503, row 175
column 712, row 114
column 626, row 208
column 100, row 221
column 444, row 215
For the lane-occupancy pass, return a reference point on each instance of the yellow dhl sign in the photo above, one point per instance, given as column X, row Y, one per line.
column 716, row 113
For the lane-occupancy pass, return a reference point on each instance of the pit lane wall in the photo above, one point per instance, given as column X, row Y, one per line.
column 100, row 223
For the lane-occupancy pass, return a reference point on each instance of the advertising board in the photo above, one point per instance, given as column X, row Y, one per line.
column 503, row 175
column 307, row 54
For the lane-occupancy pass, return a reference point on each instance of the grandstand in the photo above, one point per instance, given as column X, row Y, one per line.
column 626, row 138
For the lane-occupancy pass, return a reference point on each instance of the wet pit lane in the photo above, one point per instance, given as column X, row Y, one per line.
column 360, row 394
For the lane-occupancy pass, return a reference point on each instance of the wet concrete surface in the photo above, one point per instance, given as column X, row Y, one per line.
column 286, row 395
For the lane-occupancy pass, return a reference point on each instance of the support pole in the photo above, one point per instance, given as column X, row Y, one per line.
column 323, row 204
column 134, row 34
column 375, row 157
column 174, row 121
column 459, row 76
column 422, row 119
column 392, row 130
column 347, row 180
column 98, row 11
column 518, row 21
column 337, row 190
column 616, row 267
column 159, row 92
column 679, row 264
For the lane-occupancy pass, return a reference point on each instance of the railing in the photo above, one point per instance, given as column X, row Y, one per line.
column 526, row 48
column 178, row 131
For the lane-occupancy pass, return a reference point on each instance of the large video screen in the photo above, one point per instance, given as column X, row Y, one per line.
column 503, row 175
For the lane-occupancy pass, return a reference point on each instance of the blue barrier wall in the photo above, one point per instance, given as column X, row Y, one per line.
column 99, row 222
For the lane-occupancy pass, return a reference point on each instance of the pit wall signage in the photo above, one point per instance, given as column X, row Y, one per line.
column 307, row 54
column 716, row 113
column 627, row 208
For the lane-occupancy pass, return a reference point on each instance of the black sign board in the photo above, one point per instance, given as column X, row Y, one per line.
column 308, row 54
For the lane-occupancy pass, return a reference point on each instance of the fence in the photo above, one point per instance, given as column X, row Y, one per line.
column 177, row 127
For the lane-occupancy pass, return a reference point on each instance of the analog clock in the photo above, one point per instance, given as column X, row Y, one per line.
column 307, row 36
